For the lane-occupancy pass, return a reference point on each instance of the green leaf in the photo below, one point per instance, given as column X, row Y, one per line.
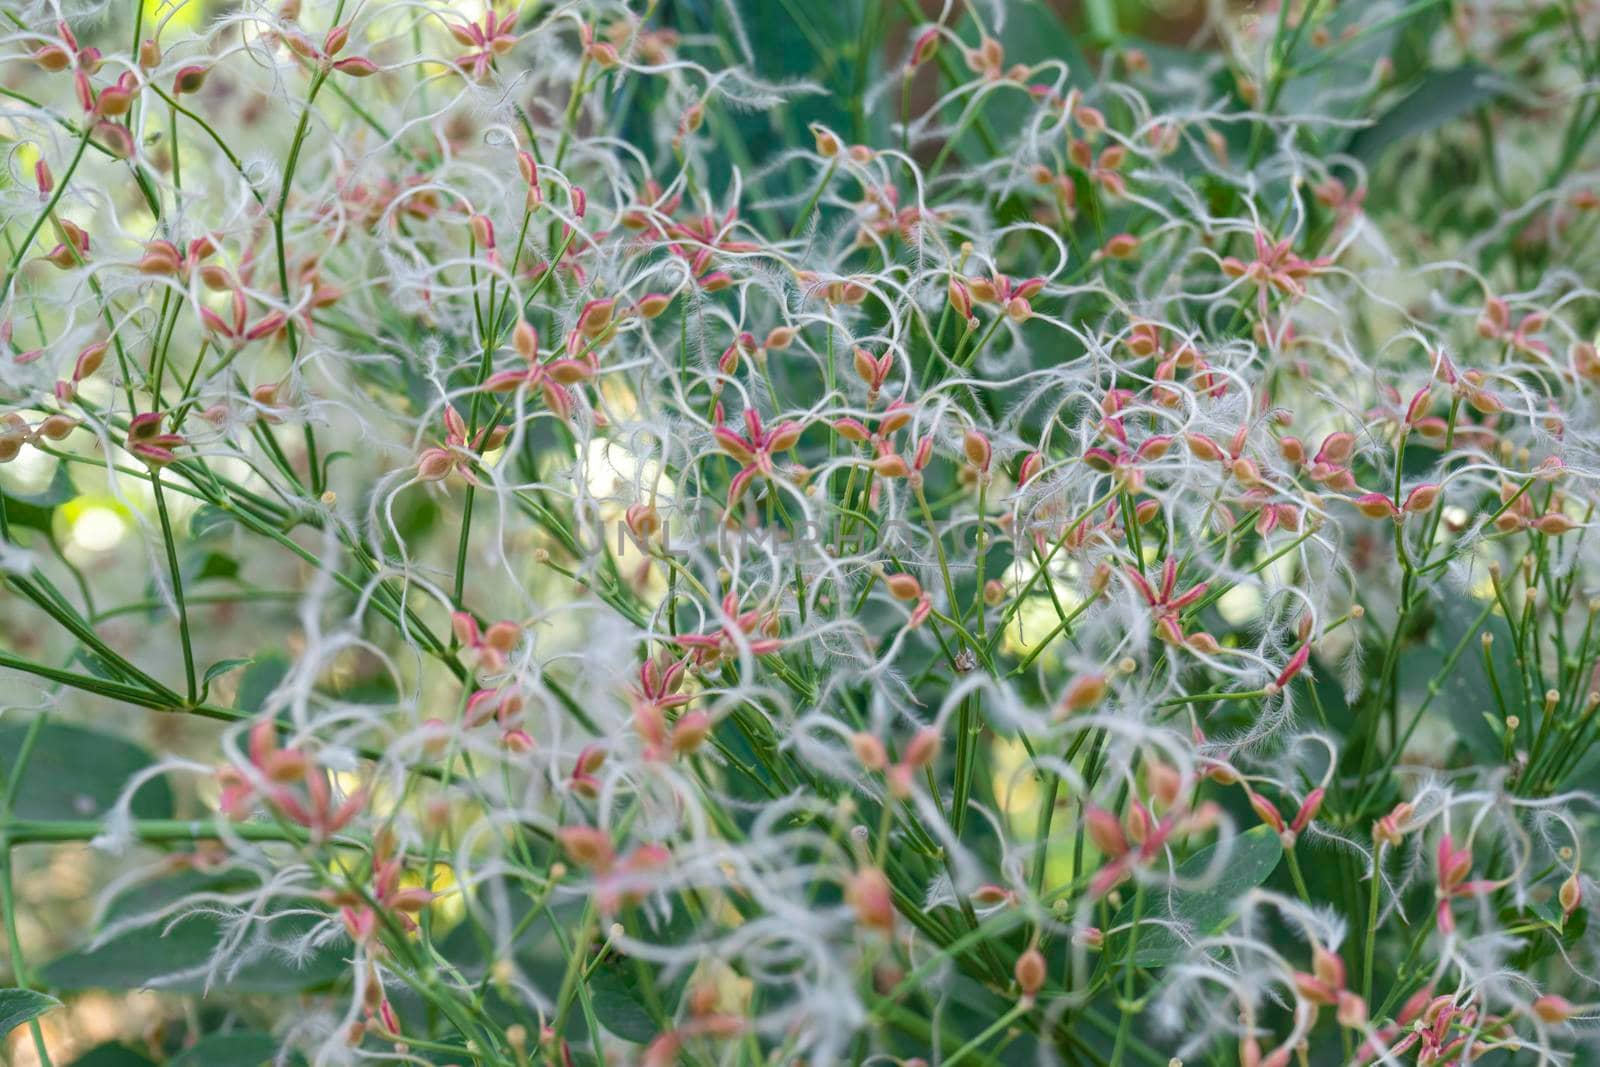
column 77, row 773
column 36, row 510
column 221, row 667
column 260, row 679
column 619, row 1000
column 1465, row 704
column 1250, row 860
column 249, row 1049
column 96, row 664
column 214, row 565
column 172, row 954
column 148, row 898
column 112, row 1054
column 207, row 520
column 1443, row 96
column 17, row 1006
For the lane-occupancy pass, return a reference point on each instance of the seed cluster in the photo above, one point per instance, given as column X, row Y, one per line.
column 1090, row 566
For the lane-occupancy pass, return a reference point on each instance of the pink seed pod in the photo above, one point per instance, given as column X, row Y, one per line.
column 89, row 360
column 1030, row 971
column 56, row 427
column 1570, row 894
column 1351, row 1010
column 43, row 179
column 596, row 317
column 1100, row 460
column 923, row 748
column 1165, row 782
column 13, row 435
column 643, row 521
column 1296, row 664
column 1553, row 1010
column 1390, row 829
column 977, row 449
column 1084, row 692
column 1105, row 831
column 868, row 893
column 851, row 429
column 865, row 365
column 991, row 895
column 1422, row 498
column 891, row 465
column 1554, row 524
column 1122, row 246
column 1308, row 811
column 984, row 290
column 1090, row 937
column 691, row 731
column 894, row 417
column 52, row 58
column 356, row 67
column 587, row 846
column 869, row 751
column 1203, row 447
column 1495, row 319
column 189, row 80
column 652, row 305
column 604, row 55
column 334, row 42
column 1376, row 506
column 435, row 464
column 116, row 138
column 827, row 142
column 1313, row 989
column 903, row 586
column 482, row 231
column 925, row 47
column 1267, row 811
column 528, row 167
